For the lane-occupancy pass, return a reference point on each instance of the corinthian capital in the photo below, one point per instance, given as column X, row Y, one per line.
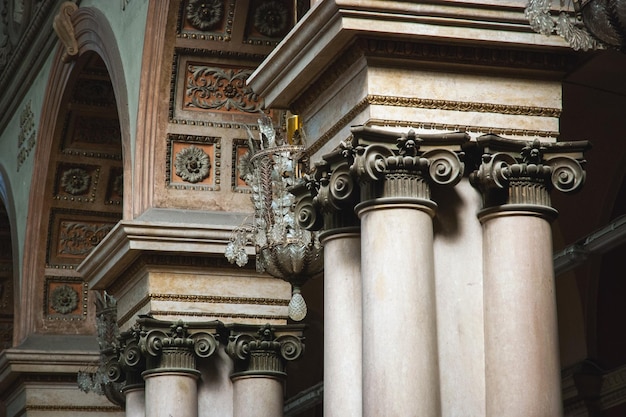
column 514, row 173
column 376, row 164
column 264, row 350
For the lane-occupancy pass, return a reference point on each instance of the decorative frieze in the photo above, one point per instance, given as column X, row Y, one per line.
column 515, row 174
column 264, row 350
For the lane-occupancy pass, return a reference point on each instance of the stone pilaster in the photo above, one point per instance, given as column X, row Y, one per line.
column 261, row 355
column 521, row 335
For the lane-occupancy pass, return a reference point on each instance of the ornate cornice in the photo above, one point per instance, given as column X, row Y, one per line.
column 264, row 350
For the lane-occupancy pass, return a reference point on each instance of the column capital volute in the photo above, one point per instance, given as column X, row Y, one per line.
column 517, row 176
column 264, row 350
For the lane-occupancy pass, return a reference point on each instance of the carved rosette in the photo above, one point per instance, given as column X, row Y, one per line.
column 264, row 350
column 517, row 175
column 375, row 167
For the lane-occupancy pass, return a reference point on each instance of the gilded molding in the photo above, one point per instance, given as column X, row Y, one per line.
column 464, row 106
column 219, row 300
column 64, row 29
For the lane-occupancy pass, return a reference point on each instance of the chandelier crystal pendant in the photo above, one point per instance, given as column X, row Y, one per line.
column 283, row 249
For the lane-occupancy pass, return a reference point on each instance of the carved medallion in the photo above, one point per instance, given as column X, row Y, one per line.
column 64, row 299
column 204, row 14
column 271, row 18
column 192, row 164
column 75, row 181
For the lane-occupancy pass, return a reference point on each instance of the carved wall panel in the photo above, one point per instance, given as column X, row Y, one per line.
column 66, row 298
column 94, row 131
column 239, row 151
column 193, row 162
column 222, row 89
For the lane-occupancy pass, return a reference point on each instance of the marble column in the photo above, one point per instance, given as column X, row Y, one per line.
column 260, row 355
column 330, row 206
column 522, row 374
column 400, row 364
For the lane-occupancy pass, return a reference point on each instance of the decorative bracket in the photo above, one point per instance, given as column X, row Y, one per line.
column 64, row 29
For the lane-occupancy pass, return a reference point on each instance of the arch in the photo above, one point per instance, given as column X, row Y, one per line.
column 93, row 34
column 6, row 200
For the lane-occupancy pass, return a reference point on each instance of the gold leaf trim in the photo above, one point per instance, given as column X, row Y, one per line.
column 466, row 106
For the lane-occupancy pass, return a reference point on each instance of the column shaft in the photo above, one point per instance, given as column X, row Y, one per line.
column 170, row 393
column 521, row 332
column 400, row 371
column 342, row 326
column 135, row 402
column 258, row 396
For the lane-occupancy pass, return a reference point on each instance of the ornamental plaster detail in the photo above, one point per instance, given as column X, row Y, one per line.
column 204, row 15
column 206, row 20
column 223, row 89
column 271, row 18
column 65, row 298
column 193, row 162
column 26, row 139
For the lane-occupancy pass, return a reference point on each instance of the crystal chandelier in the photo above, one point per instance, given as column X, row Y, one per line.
column 283, row 249
column 584, row 24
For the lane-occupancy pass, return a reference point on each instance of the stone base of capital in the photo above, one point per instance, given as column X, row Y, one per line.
column 508, row 210
column 421, row 204
column 189, row 373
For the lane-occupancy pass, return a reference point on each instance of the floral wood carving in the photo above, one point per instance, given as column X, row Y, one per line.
column 204, row 14
column 192, row 164
column 211, row 88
